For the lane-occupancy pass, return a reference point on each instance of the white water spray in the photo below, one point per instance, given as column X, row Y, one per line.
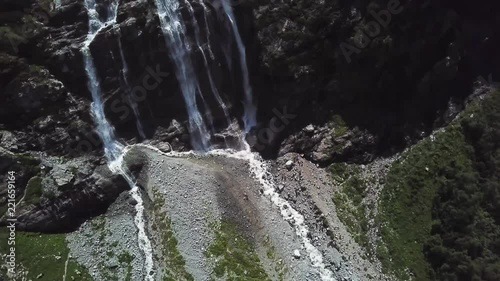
column 207, row 28
column 104, row 129
column 113, row 150
column 250, row 115
column 174, row 32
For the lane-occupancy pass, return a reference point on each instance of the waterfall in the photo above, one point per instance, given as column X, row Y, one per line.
column 174, row 32
column 250, row 114
column 175, row 36
column 207, row 27
column 106, row 132
column 132, row 103
column 213, row 87
column 113, row 150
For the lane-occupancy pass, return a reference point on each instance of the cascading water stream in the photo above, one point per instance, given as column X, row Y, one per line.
column 131, row 102
column 207, row 28
column 213, row 87
column 106, row 132
column 113, row 150
column 250, row 114
column 174, row 32
column 260, row 172
column 144, row 242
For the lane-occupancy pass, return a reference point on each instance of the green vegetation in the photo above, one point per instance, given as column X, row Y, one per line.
column 125, row 258
column 349, row 201
column 340, row 171
column 440, row 206
column 99, row 227
column 43, row 254
column 175, row 263
column 175, row 269
column 23, row 164
column 407, row 198
column 340, row 126
column 279, row 265
column 10, row 37
column 35, row 69
column 33, row 191
column 234, row 255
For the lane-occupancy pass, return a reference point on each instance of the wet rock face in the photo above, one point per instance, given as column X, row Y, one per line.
column 45, row 103
column 389, row 74
column 310, row 61
column 150, row 79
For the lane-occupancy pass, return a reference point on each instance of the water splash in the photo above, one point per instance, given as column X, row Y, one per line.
column 174, row 32
column 250, row 114
column 132, row 103
column 144, row 242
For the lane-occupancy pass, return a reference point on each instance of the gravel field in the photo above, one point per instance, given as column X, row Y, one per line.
column 197, row 192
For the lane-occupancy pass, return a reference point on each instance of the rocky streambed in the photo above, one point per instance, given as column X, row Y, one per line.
column 208, row 218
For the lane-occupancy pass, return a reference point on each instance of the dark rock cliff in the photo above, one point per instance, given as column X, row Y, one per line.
column 334, row 80
column 389, row 71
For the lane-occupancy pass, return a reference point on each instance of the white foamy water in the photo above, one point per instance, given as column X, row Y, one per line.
column 113, row 150
column 57, row 4
column 260, row 172
column 143, row 239
column 250, row 114
column 174, row 32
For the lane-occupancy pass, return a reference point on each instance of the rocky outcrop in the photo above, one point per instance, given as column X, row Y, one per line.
column 150, row 81
column 321, row 144
column 45, row 128
column 39, row 114
column 87, row 197
column 57, row 196
column 45, row 103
